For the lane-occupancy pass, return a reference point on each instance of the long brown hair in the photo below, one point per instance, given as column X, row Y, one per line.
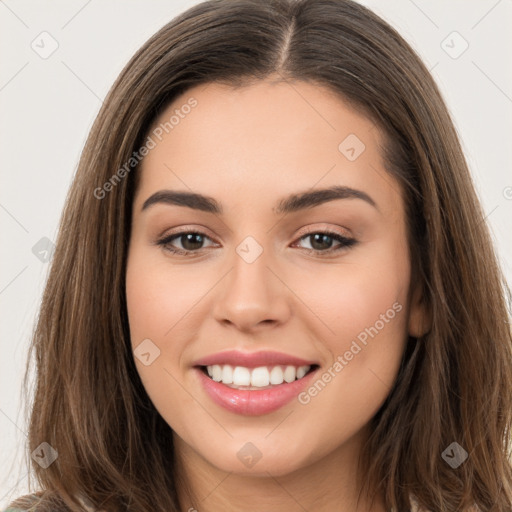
column 454, row 383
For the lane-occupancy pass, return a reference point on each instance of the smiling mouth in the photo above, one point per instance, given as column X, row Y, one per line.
column 258, row 378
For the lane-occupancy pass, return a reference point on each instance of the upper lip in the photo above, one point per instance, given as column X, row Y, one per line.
column 252, row 359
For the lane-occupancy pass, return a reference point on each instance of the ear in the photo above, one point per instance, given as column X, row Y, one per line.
column 420, row 317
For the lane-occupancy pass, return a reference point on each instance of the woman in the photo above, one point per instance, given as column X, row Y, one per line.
column 194, row 354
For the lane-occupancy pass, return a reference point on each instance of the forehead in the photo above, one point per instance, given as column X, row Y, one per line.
column 262, row 111
column 269, row 137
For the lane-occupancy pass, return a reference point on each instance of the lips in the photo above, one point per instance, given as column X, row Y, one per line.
column 252, row 359
column 253, row 383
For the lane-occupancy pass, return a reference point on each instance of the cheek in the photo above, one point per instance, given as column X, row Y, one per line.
column 157, row 304
column 350, row 390
column 362, row 305
column 351, row 296
column 371, row 300
column 158, row 300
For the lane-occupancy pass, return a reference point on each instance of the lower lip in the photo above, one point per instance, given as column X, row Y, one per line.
column 253, row 402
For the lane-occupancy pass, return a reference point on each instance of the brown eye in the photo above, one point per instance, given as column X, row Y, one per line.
column 190, row 241
column 322, row 242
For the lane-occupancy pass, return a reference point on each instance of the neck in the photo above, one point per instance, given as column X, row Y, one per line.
column 327, row 484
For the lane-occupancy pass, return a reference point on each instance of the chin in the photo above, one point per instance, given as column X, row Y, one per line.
column 259, row 457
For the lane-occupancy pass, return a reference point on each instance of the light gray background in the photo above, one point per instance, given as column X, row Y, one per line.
column 48, row 106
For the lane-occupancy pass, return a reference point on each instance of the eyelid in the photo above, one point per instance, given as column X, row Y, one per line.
column 166, row 237
column 303, row 232
column 186, row 229
column 344, row 232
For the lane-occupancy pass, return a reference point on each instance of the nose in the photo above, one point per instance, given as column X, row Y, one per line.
column 253, row 295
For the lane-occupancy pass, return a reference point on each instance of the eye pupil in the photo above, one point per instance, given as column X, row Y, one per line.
column 189, row 238
column 321, row 238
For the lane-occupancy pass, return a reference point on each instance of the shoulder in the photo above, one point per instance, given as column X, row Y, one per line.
column 37, row 503
column 415, row 507
column 23, row 504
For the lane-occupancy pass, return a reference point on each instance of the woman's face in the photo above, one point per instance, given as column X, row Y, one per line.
column 295, row 299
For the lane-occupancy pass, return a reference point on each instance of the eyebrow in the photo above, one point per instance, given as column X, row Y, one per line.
column 292, row 203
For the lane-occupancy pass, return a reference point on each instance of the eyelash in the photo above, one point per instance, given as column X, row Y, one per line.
column 344, row 242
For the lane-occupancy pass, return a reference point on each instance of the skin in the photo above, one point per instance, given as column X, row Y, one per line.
column 248, row 148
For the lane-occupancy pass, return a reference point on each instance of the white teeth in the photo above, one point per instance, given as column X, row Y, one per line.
column 227, row 374
column 216, row 373
column 301, row 371
column 259, row 377
column 276, row 375
column 290, row 373
column 241, row 376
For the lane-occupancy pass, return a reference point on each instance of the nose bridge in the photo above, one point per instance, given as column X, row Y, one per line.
column 251, row 292
column 250, row 275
